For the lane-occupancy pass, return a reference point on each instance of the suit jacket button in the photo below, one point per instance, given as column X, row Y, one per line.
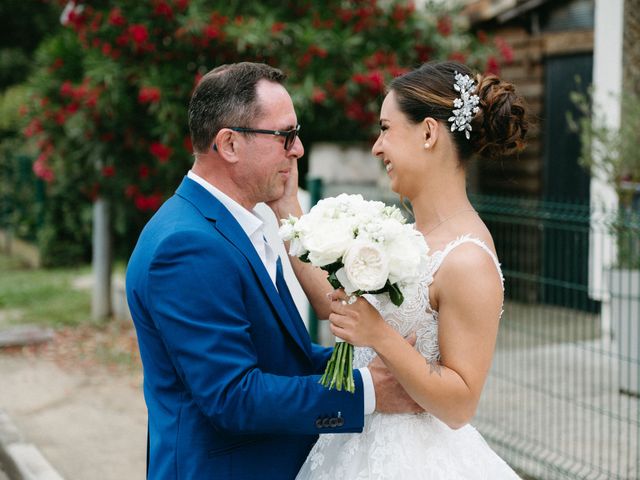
column 333, row 422
column 325, row 422
column 319, row 422
column 340, row 421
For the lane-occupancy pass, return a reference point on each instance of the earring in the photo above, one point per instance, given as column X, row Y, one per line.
column 427, row 145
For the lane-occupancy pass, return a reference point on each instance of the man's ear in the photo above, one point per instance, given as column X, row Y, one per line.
column 431, row 129
column 225, row 145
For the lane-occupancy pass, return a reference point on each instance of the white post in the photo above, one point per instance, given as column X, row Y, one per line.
column 101, row 261
column 607, row 83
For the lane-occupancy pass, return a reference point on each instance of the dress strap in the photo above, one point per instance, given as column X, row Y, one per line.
column 442, row 254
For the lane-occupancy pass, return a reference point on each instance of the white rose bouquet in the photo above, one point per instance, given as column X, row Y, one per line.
column 366, row 247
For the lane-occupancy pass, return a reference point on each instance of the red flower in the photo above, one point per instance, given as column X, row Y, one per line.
column 33, row 128
column 108, row 171
column 359, row 78
column 163, row 9
column 424, row 52
column 345, row 15
column 57, row 63
column 92, row 98
column 60, row 117
column 149, row 95
column 106, row 49
column 482, row 36
column 160, row 151
column 72, row 108
column 319, row 51
column 131, row 190
column 277, row 27
column 66, row 89
column 210, row 32
column 376, row 81
column 42, row 170
column 146, row 203
column 122, row 39
column 115, row 18
column 139, row 33
column 458, row 57
column 143, row 172
column 188, row 146
column 318, row 95
column 444, row 26
column 505, row 50
column 181, row 4
column 492, row 65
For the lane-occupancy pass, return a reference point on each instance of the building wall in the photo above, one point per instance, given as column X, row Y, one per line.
column 523, row 176
column 631, row 46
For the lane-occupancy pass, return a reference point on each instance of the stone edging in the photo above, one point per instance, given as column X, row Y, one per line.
column 22, row 460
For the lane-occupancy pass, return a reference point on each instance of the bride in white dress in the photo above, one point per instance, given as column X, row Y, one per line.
column 432, row 122
column 456, row 310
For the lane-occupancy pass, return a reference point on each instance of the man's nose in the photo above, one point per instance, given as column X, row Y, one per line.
column 297, row 149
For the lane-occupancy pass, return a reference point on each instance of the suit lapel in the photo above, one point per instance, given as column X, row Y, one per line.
column 228, row 227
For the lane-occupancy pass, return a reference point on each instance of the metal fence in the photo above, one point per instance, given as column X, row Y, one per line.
column 562, row 400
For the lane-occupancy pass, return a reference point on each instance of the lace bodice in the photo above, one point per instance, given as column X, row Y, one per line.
column 415, row 314
column 415, row 446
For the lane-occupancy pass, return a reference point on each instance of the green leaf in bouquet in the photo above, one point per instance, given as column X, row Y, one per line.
column 333, row 280
column 395, row 295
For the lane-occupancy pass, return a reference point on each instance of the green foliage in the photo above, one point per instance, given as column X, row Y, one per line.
column 613, row 155
column 109, row 97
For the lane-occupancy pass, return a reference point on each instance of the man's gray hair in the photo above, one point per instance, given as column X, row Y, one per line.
column 226, row 97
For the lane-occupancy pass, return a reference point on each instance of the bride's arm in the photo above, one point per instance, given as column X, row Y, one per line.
column 469, row 310
column 313, row 280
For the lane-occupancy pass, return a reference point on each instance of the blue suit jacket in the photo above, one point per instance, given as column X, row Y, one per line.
column 230, row 373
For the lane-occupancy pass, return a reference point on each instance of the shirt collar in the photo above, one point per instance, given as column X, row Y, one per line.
column 248, row 219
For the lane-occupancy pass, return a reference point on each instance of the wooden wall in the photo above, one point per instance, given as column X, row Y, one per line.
column 522, row 176
column 631, row 46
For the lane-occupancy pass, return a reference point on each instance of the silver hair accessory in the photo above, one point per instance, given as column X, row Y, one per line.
column 466, row 105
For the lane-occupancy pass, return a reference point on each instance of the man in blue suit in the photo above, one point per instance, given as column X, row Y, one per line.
column 230, row 374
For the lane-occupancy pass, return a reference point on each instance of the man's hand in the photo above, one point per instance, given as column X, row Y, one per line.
column 391, row 397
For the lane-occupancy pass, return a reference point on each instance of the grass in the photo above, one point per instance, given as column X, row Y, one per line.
column 42, row 296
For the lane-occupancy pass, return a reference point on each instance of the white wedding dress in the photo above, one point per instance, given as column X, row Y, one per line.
column 408, row 446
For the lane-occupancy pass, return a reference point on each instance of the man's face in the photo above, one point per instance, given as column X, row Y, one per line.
column 266, row 165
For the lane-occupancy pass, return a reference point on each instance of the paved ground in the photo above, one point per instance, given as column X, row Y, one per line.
column 552, row 400
column 87, row 419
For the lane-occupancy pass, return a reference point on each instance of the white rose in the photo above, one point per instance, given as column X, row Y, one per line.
column 287, row 230
column 406, row 253
column 327, row 241
column 366, row 266
column 296, row 248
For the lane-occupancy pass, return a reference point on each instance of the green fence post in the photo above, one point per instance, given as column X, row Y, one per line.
column 314, row 187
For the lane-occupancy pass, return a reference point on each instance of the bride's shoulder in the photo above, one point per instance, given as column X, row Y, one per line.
column 470, row 260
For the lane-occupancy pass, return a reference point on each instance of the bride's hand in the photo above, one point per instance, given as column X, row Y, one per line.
column 359, row 323
column 288, row 203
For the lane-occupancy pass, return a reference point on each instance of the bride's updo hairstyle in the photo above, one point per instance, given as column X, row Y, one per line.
column 498, row 128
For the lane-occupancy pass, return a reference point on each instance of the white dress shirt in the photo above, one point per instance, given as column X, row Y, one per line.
column 253, row 226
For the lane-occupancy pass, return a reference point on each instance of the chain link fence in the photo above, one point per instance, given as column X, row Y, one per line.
column 562, row 398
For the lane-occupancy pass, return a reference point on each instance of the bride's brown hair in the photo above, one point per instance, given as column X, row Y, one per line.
column 498, row 129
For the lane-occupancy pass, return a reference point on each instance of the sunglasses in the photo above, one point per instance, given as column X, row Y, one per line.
column 289, row 135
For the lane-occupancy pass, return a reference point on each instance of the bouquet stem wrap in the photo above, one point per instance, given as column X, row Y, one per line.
column 339, row 371
column 366, row 248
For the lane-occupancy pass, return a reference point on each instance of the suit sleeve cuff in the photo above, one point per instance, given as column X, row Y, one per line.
column 368, row 390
